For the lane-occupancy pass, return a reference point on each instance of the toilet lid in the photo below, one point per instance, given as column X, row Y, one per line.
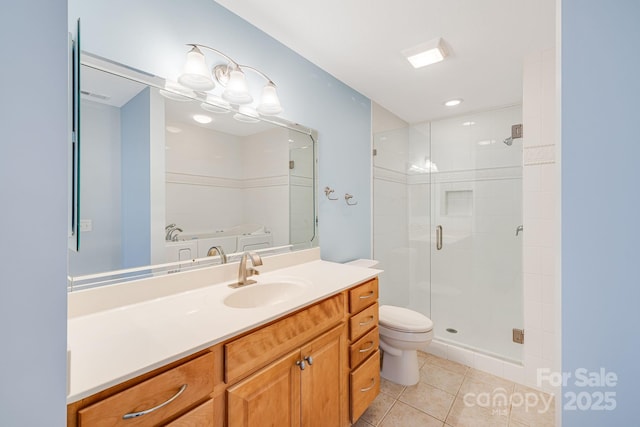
column 403, row 319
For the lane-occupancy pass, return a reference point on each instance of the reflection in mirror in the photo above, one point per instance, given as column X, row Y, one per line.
column 167, row 179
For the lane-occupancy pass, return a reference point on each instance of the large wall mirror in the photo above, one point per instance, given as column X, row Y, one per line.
column 169, row 180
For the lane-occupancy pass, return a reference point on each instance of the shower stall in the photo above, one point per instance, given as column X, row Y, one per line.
column 448, row 226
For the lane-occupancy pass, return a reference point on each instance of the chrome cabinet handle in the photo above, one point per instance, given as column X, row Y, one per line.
column 369, row 295
column 155, row 408
column 371, row 318
column 439, row 237
column 309, row 360
column 373, row 382
column 364, row 350
column 301, row 364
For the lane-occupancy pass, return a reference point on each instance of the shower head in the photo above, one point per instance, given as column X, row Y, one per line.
column 508, row 141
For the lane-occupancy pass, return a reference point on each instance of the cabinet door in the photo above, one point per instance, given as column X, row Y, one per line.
column 323, row 380
column 268, row 398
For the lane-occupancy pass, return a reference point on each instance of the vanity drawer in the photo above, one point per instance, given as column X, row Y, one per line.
column 202, row 416
column 363, row 295
column 363, row 348
column 255, row 350
column 363, row 321
column 197, row 375
column 365, row 385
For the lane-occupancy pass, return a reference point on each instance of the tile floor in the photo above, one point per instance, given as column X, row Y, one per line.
column 453, row 395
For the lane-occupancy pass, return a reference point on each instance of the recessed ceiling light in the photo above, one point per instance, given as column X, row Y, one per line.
column 487, row 142
column 453, row 102
column 201, row 118
column 468, row 123
column 426, row 53
column 173, row 129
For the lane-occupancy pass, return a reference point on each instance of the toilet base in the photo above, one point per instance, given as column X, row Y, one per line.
column 402, row 369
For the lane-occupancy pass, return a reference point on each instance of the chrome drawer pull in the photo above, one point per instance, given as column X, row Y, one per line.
column 371, row 318
column 148, row 411
column 373, row 382
column 369, row 295
column 364, row 350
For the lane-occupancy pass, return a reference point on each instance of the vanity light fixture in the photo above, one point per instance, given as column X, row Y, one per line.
column 197, row 76
column 426, row 53
column 173, row 90
column 215, row 104
column 453, row 102
column 246, row 114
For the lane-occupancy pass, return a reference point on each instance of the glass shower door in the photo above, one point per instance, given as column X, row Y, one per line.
column 476, row 254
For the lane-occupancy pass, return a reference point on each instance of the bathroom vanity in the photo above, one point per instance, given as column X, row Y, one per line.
column 298, row 348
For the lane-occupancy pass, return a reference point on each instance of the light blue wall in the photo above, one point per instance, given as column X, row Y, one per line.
column 601, row 202
column 33, row 213
column 150, row 35
column 100, row 191
column 136, row 181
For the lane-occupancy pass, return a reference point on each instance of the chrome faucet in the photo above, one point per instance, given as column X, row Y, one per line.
column 244, row 272
column 170, row 229
column 218, row 251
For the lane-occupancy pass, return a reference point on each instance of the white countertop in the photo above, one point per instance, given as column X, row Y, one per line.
column 113, row 345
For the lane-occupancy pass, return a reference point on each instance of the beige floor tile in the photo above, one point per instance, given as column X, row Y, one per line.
column 390, row 388
column 402, row 415
column 450, row 365
column 471, row 415
column 532, row 407
column 422, row 359
column 491, row 379
column 517, row 424
column 362, row 423
column 474, row 385
column 378, row 408
column 429, row 399
column 441, row 378
column 489, row 396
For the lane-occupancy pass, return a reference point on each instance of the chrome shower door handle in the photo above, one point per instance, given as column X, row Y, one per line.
column 439, row 237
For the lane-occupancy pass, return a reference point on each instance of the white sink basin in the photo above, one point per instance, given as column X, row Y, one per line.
column 265, row 293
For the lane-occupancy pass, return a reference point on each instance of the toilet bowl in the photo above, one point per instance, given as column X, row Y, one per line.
column 402, row 333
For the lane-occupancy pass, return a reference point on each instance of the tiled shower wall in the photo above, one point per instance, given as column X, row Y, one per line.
column 540, row 232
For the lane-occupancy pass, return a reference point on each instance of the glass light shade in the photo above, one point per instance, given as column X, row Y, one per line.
column 246, row 114
column 237, row 90
column 269, row 103
column 215, row 104
column 176, row 91
column 195, row 74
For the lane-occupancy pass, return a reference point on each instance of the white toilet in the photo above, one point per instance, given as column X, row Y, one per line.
column 402, row 333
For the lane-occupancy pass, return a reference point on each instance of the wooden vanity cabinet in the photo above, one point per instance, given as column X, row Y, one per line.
column 257, row 378
column 303, row 388
column 364, row 355
column 180, row 393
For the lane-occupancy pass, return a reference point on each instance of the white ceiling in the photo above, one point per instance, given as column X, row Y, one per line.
column 359, row 42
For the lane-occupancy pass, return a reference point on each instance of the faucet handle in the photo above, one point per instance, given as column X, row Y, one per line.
column 255, row 259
